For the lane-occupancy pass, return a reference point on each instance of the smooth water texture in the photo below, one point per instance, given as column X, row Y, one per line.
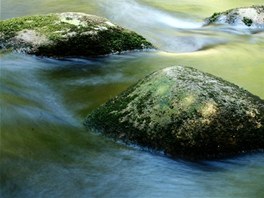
column 45, row 150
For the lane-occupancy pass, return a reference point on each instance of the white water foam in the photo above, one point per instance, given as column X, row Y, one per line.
column 168, row 32
column 132, row 13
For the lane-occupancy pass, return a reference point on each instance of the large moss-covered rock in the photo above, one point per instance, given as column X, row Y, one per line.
column 247, row 16
column 68, row 34
column 184, row 112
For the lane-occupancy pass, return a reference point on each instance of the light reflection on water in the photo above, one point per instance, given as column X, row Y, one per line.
column 52, row 155
column 46, row 152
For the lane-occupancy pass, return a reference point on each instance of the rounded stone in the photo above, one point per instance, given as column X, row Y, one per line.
column 184, row 112
column 68, row 34
column 252, row 17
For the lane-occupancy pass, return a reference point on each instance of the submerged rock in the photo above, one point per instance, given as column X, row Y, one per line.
column 248, row 17
column 184, row 112
column 68, row 34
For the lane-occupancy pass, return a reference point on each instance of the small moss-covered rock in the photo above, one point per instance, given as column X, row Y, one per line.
column 184, row 112
column 247, row 16
column 68, row 34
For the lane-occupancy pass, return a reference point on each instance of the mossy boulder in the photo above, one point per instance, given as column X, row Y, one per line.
column 247, row 16
column 184, row 112
column 68, row 34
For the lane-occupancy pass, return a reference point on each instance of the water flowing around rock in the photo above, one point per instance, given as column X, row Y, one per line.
column 249, row 17
column 183, row 111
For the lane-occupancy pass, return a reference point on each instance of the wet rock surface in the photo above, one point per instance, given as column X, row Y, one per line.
column 184, row 112
column 252, row 17
column 68, row 34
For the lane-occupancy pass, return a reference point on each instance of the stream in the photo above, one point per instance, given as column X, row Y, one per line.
column 45, row 150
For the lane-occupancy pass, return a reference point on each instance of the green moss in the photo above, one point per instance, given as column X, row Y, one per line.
column 259, row 8
column 104, row 42
column 70, row 38
column 214, row 17
column 10, row 27
column 233, row 14
column 182, row 111
column 48, row 25
column 247, row 21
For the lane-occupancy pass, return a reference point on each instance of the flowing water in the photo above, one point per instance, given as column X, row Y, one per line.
column 46, row 152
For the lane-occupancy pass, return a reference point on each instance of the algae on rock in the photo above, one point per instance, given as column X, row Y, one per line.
column 184, row 112
column 68, row 34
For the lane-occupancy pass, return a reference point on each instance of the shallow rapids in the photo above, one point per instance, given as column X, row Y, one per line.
column 45, row 150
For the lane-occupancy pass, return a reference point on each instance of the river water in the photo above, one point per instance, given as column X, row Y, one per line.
column 46, row 152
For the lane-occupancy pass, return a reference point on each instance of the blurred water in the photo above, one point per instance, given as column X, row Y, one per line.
column 46, row 152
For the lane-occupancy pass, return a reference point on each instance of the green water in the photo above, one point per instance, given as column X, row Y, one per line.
column 46, row 152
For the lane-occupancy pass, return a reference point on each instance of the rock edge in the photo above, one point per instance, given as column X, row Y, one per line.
column 184, row 112
column 250, row 17
column 68, row 34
